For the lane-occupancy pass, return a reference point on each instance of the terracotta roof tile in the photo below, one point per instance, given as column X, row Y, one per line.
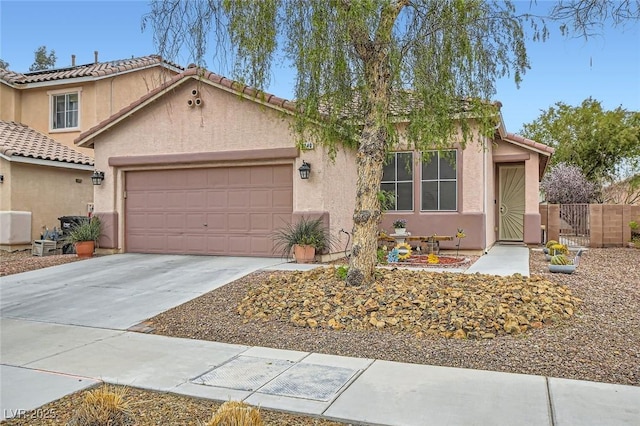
column 19, row 140
column 89, row 70
column 524, row 141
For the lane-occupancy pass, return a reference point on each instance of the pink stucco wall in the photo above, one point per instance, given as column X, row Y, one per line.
column 225, row 122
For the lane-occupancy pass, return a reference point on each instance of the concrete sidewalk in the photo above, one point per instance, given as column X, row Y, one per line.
column 503, row 260
column 59, row 359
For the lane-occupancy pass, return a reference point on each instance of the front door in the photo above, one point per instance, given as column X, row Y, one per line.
column 511, row 201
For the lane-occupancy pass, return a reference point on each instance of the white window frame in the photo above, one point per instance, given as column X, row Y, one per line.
column 52, row 106
column 396, row 181
column 439, row 180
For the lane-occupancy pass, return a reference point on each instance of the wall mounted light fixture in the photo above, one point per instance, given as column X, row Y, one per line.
column 97, row 177
column 305, row 170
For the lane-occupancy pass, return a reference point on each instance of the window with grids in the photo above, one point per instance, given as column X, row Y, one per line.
column 439, row 181
column 65, row 110
column 397, row 179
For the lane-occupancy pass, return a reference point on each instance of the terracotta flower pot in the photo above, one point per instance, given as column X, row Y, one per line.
column 304, row 254
column 85, row 248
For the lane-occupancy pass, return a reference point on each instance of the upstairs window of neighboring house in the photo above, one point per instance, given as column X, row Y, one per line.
column 397, row 179
column 65, row 110
column 439, row 181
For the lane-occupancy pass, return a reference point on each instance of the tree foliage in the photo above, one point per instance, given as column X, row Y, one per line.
column 587, row 17
column 43, row 60
column 603, row 144
column 4, row 64
column 566, row 184
column 363, row 66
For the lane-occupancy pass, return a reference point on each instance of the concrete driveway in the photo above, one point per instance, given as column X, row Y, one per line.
column 118, row 291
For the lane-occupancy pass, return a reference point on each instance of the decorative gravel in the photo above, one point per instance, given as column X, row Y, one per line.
column 23, row 261
column 599, row 342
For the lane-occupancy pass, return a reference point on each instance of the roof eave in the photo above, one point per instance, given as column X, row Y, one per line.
column 84, row 79
column 43, row 162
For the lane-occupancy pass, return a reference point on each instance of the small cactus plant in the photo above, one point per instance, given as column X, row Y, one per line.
column 558, row 249
column 550, row 243
column 560, row 259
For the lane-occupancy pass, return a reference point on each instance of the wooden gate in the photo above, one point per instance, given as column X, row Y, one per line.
column 574, row 225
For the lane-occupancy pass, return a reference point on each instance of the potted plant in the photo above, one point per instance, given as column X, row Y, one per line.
column 400, row 226
column 84, row 236
column 561, row 264
column 553, row 248
column 305, row 238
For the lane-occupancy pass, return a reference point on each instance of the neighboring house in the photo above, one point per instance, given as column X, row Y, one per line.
column 60, row 104
column 203, row 166
column 39, row 179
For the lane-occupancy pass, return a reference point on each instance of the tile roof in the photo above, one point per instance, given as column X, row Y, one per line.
column 192, row 72
column 529, row 142
column 100, row 69
column 19, row 140
column 545, row 150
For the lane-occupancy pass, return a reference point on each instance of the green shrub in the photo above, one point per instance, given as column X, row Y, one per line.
column 342, row 271
column 381, row 254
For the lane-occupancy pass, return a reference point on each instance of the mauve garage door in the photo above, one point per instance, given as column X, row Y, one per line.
column 226, row 211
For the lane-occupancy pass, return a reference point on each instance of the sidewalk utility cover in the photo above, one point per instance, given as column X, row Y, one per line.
column 244, row 373
column 279, row 377
column 310, row 381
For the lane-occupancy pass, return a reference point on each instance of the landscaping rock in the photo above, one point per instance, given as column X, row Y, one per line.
column 452, row 305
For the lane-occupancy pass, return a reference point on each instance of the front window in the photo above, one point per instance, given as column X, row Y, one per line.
column 64, row 108
column 439, row 181
column 397, row 179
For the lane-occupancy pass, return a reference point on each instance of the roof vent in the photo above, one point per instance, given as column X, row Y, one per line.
column 95, row 56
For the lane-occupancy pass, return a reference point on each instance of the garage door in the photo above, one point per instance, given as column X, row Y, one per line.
column 219, row 211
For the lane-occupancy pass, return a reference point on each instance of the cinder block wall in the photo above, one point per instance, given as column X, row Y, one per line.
column 608, row 223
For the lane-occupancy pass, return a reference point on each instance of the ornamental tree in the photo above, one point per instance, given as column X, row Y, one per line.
column 603, row 144
column 354, row 60
column 566, row 184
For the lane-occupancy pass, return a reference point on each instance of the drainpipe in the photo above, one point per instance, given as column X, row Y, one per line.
column 485, row 206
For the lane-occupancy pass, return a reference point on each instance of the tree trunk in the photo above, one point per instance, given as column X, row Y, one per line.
column 374, row 54
column 367, row 213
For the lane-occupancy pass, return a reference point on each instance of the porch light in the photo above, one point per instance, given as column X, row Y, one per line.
column 97, row 177
column 305, row 170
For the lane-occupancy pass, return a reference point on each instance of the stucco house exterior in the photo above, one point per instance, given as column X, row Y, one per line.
column 50, row 109
column 40, row 178
column 201, row 165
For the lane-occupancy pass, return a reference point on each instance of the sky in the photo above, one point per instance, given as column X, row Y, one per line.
column 605, row 67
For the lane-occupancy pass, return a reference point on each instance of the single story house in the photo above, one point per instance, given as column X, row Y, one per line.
column 201, row 165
